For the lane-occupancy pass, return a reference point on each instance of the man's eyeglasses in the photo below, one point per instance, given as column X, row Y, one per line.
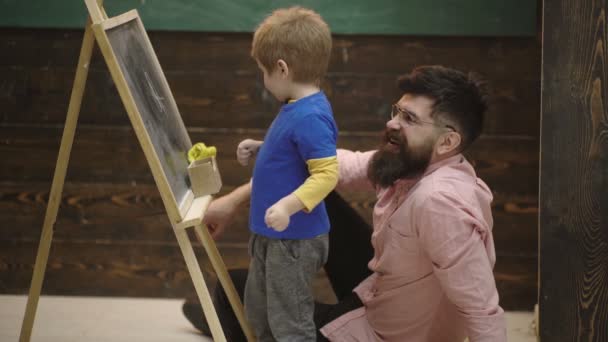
column 411, row 119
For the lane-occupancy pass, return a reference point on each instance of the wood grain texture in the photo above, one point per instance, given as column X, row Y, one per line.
column 152, row 270
column 112, row 154
column 36, row 78
column 196, row 51
column 574, row 179
column 111, row 203
column 113, row 212
column 360, row 102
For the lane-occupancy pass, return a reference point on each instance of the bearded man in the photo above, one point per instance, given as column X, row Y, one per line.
column 423, row 272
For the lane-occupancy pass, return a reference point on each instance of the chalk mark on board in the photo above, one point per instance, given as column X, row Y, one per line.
column 159, row 99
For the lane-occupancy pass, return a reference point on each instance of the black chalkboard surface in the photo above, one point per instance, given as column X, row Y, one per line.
column 156, row 120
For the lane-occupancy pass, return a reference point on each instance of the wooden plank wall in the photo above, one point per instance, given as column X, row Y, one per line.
column 112, row 235
column 574, row 173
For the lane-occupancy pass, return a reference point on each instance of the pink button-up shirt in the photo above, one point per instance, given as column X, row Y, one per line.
column 433, row 257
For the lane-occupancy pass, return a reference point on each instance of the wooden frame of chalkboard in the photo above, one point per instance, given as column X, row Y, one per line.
column 162, row 134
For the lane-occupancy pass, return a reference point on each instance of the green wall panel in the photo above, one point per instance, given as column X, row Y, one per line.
column 405, row 17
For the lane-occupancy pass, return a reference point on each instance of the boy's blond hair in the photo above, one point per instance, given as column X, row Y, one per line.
column 298, row 36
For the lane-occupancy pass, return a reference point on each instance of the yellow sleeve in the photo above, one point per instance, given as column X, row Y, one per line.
column 323, row 179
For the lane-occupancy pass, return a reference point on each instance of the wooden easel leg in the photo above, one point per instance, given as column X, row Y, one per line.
column 222, row 274
column 58, row 179
column 199, row 284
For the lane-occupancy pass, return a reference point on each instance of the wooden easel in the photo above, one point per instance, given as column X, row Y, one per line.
column 181, row 218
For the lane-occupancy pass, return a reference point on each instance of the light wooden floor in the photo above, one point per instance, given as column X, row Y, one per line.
column 71, row 319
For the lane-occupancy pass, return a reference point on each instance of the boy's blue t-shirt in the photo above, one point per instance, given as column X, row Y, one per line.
column 302, row 130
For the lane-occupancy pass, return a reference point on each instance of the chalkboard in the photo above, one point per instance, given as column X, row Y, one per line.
column 402, row 17
column 156, row 118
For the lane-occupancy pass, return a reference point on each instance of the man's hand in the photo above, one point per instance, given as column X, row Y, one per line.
column 246, row 150
column 219, row 214
column 277, row 217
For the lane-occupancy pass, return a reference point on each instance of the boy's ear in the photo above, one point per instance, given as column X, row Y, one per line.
column 283, row 68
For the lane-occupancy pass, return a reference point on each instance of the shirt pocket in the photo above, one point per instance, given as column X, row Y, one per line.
column 399, row 243
column 290, row 248
column 400, row 256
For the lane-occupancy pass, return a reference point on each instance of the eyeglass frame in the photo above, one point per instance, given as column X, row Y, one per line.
column 411, row 119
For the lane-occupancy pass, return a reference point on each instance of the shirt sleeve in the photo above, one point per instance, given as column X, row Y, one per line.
column 315, row 137
column 352, row 170
column 322, row 180
column 454, row 240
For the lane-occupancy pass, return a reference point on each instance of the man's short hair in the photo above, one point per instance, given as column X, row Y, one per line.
column 459, row 100
column 298, row 36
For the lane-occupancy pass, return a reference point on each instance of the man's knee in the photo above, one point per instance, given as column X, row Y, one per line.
column 239, row 278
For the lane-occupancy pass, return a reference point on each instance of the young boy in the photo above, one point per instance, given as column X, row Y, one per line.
column 296, row 167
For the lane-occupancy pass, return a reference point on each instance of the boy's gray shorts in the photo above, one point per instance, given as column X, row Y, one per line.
column 278, row 295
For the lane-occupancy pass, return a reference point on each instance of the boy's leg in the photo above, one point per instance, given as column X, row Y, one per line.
column 350, row 247
column 256, row 296
column 324, row 313
column 290, row 267
column 350, row 251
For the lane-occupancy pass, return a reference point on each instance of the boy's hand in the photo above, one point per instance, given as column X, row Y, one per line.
column 246, row 150
column 277, row 217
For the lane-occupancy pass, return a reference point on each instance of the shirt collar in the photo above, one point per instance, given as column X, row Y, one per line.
column 456, row 159
column 407, row 182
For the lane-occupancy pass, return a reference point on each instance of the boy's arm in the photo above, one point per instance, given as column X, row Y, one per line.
column 315, row 138
column 322, row 180
column 277, row 216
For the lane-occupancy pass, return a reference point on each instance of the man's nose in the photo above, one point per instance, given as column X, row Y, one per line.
column 393, row 124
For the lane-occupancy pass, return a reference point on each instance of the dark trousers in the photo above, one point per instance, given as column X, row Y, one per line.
column 350, row 250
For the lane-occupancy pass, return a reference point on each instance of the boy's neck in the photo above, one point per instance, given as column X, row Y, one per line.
column 299, row 91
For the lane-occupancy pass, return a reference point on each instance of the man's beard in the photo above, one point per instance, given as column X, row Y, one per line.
column 389, row 164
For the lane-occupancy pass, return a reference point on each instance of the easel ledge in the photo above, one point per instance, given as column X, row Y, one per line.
column 194, row 215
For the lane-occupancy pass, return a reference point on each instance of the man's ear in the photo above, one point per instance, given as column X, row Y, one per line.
column 283, row 68
column 448, row 142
